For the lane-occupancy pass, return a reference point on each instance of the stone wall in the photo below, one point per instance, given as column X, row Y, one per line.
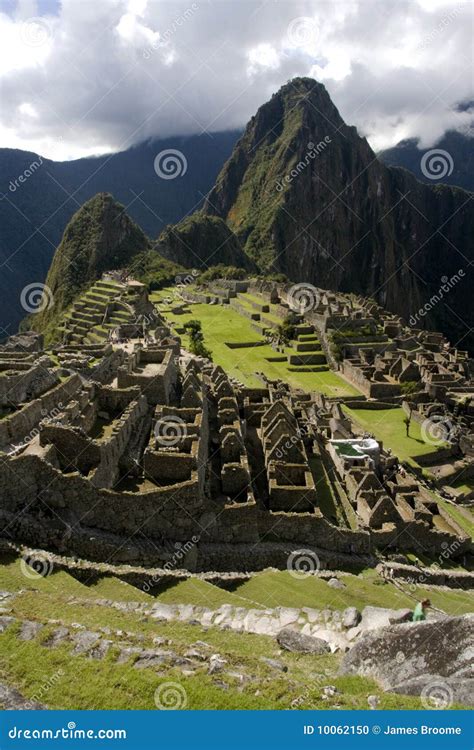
column 14, row 428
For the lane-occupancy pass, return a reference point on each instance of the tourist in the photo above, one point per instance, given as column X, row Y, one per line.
column 419, row 613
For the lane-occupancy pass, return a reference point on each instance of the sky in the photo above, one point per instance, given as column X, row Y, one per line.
column 83, row 77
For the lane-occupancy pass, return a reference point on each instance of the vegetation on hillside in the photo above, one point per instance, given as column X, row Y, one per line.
column 201, row 241
column 153, row 270
column 100, row 237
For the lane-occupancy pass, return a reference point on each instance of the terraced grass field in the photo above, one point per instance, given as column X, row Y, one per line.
column 221, row 324
column 388, row 425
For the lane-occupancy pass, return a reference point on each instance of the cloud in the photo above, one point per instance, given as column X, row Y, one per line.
column 99, row 76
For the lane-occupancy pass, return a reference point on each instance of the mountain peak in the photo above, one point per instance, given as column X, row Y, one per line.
column 99, row 237
column 306, row 196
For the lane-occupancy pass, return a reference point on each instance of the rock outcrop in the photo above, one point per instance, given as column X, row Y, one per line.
column 292, row 640
column 201, row 241
column 433, row 659
column 100, row 237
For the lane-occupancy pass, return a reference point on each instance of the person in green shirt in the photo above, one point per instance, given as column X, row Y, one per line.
column 419, row 612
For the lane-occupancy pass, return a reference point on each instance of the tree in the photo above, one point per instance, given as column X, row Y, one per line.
column 196, row 346
column 407, row 422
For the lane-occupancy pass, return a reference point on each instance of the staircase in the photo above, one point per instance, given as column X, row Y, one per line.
column 98, row 311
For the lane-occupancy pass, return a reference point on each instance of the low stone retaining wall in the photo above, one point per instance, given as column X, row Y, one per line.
column 244, row 344
column 371, row 405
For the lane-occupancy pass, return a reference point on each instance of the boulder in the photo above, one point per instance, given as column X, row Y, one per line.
column 274, row 664
column 29, row 630
column 419, row 658
column 335, row 583
column 216, row 663
column 5, row 622
column 351, row 617
column 293, row 640
column 379, row 617
column 58, row 636
column 403, row 615
column 84, row 641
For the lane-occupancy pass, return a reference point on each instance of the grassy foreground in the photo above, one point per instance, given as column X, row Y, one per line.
column 62, row 680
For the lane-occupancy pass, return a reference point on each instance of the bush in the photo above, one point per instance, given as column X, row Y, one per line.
column 222, row 272
column 411, row 386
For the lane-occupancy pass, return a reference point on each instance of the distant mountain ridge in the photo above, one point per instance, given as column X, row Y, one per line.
column 39, row 196
column 458, row 166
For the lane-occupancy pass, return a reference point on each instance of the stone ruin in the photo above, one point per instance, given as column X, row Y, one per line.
column 121, row 450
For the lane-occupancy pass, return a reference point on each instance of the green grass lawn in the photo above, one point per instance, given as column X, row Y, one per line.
column 280, row 588
column 465, row 485
column 463, row 517
column 387, row 425
column 221, row 324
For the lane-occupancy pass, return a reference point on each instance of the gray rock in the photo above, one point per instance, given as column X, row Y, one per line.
column 335, row 583
column 127, row 652
column 84, row 641
column 12, row 700
column 149, row 662
column 274, row 664
column 5, row 622
column 373, row 701
column 293, row 640
column 29, row 630
column 353, row 633
column 439, row 692
column 160, row 641
column 193, row 653
column 58, row 636
column 351, row 617
column 378, row 617
column 416, row 656
column 101, row 650
column 216, row 663
column 403, row 615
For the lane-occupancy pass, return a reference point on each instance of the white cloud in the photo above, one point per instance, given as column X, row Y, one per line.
column 104, row 74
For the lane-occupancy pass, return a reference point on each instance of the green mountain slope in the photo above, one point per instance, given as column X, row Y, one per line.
column 100, row 237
